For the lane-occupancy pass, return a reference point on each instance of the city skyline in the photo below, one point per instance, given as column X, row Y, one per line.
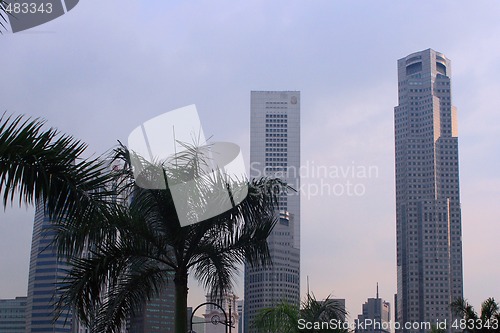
column 100, row 80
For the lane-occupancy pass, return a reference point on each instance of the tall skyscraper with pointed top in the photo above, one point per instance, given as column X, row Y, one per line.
column 428, row 218
column 275, row 152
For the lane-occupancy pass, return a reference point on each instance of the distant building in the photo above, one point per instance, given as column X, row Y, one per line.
column 275, row 152
column 157, row 314
column 46, row 271
column 215, row 317
column 341, row 303
column 375, row 317
column 13, row 315
column 241, row 307
column 198, row 322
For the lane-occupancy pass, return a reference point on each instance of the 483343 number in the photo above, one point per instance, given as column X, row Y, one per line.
column 475, row 324
column 28, row 8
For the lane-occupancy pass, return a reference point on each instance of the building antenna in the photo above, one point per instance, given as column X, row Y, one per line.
column 377, row 290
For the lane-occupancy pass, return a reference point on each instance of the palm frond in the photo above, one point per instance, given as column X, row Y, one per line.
column 489, row 309
column 3, row 15
column 322, row 311
column 113, row 281
column 460, row 307
column 44, row 165
column 282, row 318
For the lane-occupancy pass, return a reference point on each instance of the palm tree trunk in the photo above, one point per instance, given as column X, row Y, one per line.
column 181, row 294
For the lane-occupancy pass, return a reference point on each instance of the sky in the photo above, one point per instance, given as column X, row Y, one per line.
column 107, row 66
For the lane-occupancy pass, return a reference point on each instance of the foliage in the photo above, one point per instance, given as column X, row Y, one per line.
column 284, row 318
column 3, row 15
column 489, row 316
column 125, row 242
column 39, row 164
column 145, row 246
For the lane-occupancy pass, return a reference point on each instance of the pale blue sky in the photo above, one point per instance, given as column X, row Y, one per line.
column 105, row 67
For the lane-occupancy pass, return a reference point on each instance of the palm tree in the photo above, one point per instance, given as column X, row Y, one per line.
column 283, row 318
column 324, row 310
column 146, row 246
column 3, row 14
column 487, row 321
column 286, row 317
column 43, row 165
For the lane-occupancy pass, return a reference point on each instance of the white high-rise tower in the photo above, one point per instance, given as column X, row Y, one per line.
column 275, row 152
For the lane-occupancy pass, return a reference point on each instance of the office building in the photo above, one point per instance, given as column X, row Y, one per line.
column 375, row 316
column 13, row 315
column 240, row 307
column 428, row 218
column 275, row 152
column 341, row 303
column 46, row 271
column 157, row 314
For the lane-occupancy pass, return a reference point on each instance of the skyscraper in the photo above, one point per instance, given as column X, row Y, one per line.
column 46, row 271
column 375, row 316
column 428, row 219
column 275, row 152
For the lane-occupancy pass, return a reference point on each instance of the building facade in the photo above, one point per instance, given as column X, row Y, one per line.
column 13, row 315
column 156, row 314
column 375, row 316
column 428, row 218
column 240, row 304
column 46, row 271
column 275, row 152
column 341, row 303
column 215, row 317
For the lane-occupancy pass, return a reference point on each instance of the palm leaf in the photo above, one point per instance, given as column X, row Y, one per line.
column 282, row 318
column 3, row 15
column 460, row 307
column 47, row 166
column 489, row 309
